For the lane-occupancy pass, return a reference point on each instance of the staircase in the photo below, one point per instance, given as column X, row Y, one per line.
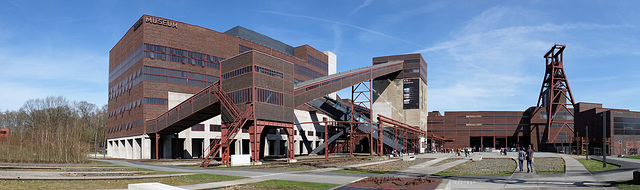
column 341, row 112
column 230, row 130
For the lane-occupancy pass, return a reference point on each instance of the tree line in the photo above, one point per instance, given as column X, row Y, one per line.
column 53, row 130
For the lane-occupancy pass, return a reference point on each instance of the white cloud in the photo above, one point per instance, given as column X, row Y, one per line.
column 364, row 4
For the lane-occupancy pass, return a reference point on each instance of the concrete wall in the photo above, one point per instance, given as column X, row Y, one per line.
column 388, row 102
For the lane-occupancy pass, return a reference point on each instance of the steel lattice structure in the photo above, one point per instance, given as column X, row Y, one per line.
column 556, row 100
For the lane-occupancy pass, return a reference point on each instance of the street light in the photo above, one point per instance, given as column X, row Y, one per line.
column 604, row 140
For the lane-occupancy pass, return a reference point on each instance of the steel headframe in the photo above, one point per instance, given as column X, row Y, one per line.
column 555, row 95
column 361, row 96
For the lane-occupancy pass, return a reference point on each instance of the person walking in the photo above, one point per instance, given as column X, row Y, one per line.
column 529, row 159
column 521, row 156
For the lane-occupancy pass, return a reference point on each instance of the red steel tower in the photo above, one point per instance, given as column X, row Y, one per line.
column 555, row 103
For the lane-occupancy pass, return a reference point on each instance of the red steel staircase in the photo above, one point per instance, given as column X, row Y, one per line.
column 229, row 130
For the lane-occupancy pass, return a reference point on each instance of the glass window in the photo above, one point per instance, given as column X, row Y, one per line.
column 215, row 128
column 197, row 127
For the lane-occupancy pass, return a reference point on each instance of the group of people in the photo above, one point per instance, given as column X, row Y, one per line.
column 459, row 151
column 526, row 155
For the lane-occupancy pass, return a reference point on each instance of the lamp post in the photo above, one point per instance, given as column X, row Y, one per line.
column 587, row 144
column 604, row 139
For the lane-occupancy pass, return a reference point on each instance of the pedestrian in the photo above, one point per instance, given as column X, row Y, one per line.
column 466, row 152
column 529, row 159
column 521, row 156
column 458, row 151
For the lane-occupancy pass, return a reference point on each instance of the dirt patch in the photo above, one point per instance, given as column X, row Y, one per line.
column 394, row 183
column 391, row 166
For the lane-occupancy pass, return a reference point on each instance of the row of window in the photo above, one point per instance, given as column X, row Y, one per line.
column 126, row 64
column 236, row 72
column 269, row 97
column 175, row 80
column 158, row 101
column 626, row 132
column 626, row 120
column 240, row 96
column 475, row 116
column 559, row 115
column 126, row 84
column 299, row 69
column 243, row 49
column 316, row 62
column 127, row 107
column 126, row 126
column 180, row 74
column 212, row 128
column 490, row 124
column 268, row 72
column 182, row 56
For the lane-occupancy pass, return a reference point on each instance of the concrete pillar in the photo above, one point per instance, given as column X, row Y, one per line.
column 122, row 149
column 332, row 67
column 238, row 148
column 137, row 147
column 109, row 146
column 146, row 147
column 167, row 147
column 188, row 146
column 129, row 148
column 205, row 145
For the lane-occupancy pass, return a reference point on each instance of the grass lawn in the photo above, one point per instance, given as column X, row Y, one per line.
column 595, row 165
column 281, row 184
column 627, row 185
column 633, row 157
column 110, row 184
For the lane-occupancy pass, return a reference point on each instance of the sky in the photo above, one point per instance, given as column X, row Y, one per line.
column 481, row 55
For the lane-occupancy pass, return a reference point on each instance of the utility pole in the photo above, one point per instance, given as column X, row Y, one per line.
column 587, row 144
column 577, row 139
column 604, row 139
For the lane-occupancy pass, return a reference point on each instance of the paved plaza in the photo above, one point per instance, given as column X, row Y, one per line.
column 576, row 175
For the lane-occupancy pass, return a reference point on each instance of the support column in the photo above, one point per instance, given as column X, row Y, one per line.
column 380, row 138
column 326, row 139
column 146, row 147
column 224, row 143
column 290, row 147
column 254, row 138
column 157, row 146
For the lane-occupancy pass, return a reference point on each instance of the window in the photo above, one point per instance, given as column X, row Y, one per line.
column 411, row 70
column 243, row 49
column 159, row 101
column 268, row 72
column 316, row 62
column 270, row 97
column 236, row 72
column 181, row 56
column 299, row 69
column 215, row 128
column 309, row 133
column 197, row 127
column 240, row 96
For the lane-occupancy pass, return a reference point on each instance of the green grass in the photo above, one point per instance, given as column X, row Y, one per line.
column 359, row 171
column 111, row 184
column 632, row 157
column 627, row 185
column 293, row 185
column 100, row 162
column 595, row 165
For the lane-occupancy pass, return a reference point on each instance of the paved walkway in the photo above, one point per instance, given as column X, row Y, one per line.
column 575, row 177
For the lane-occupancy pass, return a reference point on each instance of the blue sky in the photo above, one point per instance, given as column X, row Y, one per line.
column 482, row 55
